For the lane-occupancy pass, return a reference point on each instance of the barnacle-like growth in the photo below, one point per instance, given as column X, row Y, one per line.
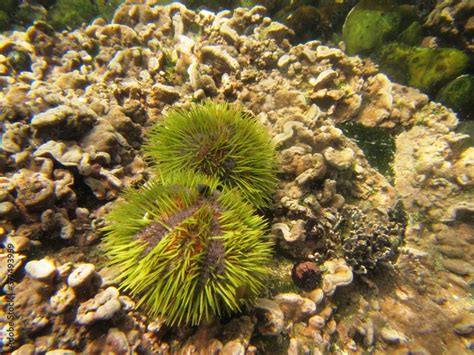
column 186, row 250
column 221, row 142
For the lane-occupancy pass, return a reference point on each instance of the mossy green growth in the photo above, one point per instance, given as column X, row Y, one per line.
column 459, row 95
column 4, row 21
column 412, row 35
column 186, row 250
column 106, row 8
column 424, row 68
column 377, row 143
column 67, row 14
column 8, row 6
column 369, row 25
column 219, row 141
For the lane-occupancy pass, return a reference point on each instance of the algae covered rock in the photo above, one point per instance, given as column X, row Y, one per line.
column 6, row 8
column 412, row 35
column 4, row 21
column 369, row 25
column 424, row 68
column 71, row 14
column 458, row 94
column 7, row 5
column 304, row 20
column 106, row 8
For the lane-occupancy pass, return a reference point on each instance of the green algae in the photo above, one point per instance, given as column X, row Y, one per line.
column 369, row 25
column 458, row 94
column 424, row 68
column 377, row 143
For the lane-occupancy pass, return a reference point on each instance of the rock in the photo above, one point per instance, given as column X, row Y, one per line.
column 317, row 322
column 412, row 35
column 218, row 57
column 294, row 306
column 157, row 327
column 5, row 265
column 81, row 275
column 34, row 190
column 463, row 168
column 424, row 68
column 294, row 234
column 8, row 210
column 127, row 303
column 458, row 266
column 38, row 323
column 283, row 61
column 270, row 317
column 109, row 276
column 14, row 138
column 465, row 327
column 68, row 121
column 62, row 300
column 380, row 104
column 65, row 14
column 367, row 27
column 392, row 336
column 4, row 21
column 42, row 270
column 338, row 273
column 164, row 93
column 26, row 349
column 115, row 342
column 19, row 243
column 67, row 155
column 340, row 159
column 458, row 94
column 57, row 224
column 60, row 352
column 102, row 307
column 233, row 347
column 316, row 295
column 323, row 78
column 275, row 31
column 304, row 20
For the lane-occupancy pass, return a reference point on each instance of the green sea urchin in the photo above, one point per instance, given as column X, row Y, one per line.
column 221, row 142
column 186, row 250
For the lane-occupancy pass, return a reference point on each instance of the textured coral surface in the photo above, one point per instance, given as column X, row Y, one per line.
column 73, row 119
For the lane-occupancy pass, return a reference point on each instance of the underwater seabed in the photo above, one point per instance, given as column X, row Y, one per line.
column 363, row 262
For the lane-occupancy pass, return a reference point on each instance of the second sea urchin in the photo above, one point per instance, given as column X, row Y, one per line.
column 219, row 141
column 186, row 250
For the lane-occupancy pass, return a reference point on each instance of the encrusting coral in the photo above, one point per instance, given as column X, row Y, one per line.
column 187, row 250
column 219, row 141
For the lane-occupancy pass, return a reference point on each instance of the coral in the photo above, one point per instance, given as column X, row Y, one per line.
column 366, row 244
column 188, row 251
column 221, row 142
column 338, row 273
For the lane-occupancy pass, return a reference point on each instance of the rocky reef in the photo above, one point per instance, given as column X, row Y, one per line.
column 364, row 261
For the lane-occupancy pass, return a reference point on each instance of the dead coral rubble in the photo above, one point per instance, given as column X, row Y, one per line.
column 73, row 121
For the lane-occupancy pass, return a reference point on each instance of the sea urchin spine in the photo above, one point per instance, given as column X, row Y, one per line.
column 218, row 141
column 187, row 252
